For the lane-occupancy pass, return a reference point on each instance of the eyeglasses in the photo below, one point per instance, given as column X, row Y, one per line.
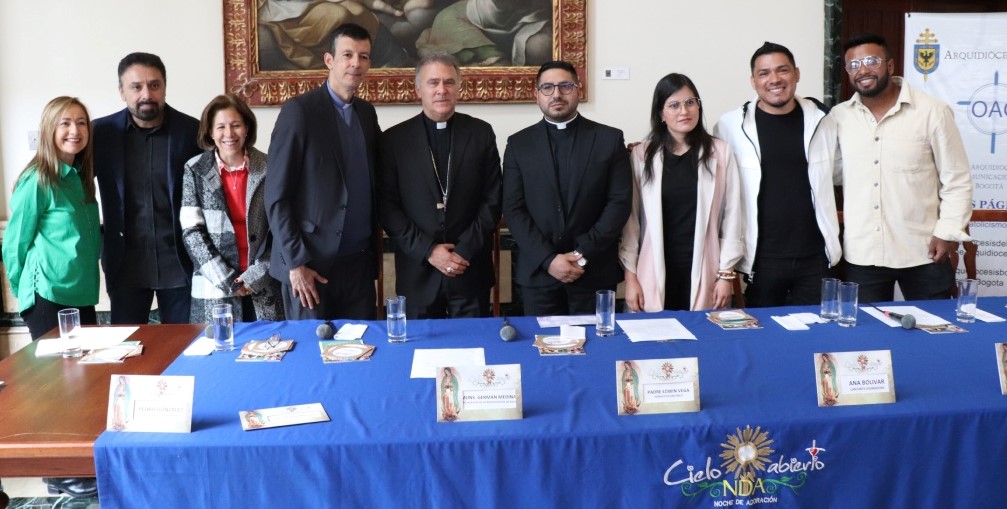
column 565, row 88
column 871, row 62
column 692, row 102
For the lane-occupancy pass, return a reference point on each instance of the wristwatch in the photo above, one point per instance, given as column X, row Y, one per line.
column 581, row 262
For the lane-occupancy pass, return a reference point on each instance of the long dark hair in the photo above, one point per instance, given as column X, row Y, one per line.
column 659, row 137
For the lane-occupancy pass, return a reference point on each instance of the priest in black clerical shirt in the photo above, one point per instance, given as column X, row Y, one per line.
column 567, row 196
column 440, row 199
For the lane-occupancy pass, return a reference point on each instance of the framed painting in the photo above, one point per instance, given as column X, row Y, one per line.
column 273, row 49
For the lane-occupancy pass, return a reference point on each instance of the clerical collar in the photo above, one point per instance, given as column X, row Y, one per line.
column 562, row 125
column 338, row 101
column 437, row 125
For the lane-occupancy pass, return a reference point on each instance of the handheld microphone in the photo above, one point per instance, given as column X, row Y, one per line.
column 907, row 320
column 325, row 331
column 507, row 332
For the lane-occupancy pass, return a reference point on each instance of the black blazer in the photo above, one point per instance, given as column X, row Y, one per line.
column 110, row 167
column 410, row 194
column 305, row 191
column 601, row 190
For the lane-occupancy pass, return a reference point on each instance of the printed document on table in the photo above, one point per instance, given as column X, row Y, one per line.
column 922, row 317
column 545, row 322
column 426, row 361
column 91, row 338
column 655, row 329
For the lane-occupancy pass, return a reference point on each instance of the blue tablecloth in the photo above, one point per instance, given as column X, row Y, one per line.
column 942, row 444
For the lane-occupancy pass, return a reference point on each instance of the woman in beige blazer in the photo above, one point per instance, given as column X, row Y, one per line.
column 685, row 232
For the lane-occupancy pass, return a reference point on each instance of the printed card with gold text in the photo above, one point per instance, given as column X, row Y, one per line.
column 657, row 386
column 479, row 393
column 1002, row 366
column 854, row 378
column 151, row 403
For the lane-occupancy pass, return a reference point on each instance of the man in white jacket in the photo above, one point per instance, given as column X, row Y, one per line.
column 792, row 237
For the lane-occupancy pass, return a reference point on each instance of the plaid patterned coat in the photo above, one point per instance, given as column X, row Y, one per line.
column 209, row 238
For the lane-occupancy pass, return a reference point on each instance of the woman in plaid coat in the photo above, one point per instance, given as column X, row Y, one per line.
column 224, row 220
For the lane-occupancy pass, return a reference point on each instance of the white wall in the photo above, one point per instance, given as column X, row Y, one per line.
column 61, row 47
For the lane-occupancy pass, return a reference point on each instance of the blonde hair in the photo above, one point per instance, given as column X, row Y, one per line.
column 46, row 162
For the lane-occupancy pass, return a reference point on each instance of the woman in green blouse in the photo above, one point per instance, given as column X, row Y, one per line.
column 52, row 240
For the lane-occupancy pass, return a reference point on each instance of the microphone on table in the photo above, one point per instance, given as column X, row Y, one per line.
column 208, row 332
column 507, row 332
column 325, row 331
column 907, row 320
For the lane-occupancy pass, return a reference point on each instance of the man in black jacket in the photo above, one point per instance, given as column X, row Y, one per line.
column 139, row 158
column 567, row 195
column 320, row 190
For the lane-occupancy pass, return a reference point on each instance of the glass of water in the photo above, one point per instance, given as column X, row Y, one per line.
column 69, row 332
column 395, row 310
column 222, row 320
column 604, row 313
column 830, row 299
column 848, row 304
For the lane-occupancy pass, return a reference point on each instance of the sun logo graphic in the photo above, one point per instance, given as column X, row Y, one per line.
column 750, row 471
column 746, row 452
column 927, row 52
column 987, row 109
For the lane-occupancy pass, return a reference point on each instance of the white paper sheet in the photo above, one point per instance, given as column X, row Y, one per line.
column 91, row 338
column 427, row 360
column 351, row 331
column 572, row 332
column 790, row 322
column 201, row 347
column 555, row 321
column 988, row 317
column 808, row 318
column 922, row 317
column 655, row 329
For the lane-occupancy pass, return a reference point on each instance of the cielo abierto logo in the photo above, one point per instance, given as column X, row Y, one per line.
column 751, row 475
column 987, row 109
column 928, row 53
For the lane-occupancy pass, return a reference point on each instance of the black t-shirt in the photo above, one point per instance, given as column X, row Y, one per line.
column 787, row 225
column 678, row 203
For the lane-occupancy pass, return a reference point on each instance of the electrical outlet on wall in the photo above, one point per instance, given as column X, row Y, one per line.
column 33, row 140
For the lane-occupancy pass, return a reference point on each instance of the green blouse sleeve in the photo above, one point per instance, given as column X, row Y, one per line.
column 27, row 204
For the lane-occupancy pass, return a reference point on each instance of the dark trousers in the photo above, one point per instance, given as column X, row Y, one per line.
column 452, row 302
column 924, row 282
column 786, row 281
column 349, row 294
column 43, row 317
column 132, row 305
column 559, row 299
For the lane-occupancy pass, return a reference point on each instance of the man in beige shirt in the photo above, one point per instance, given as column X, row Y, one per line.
column 906, row 179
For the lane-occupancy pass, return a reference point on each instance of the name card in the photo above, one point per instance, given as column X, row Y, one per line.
column 282, row 416
column 657, row 386
column 150, row 403
column 479, row 393
column 854, row 378
column 1001, row 351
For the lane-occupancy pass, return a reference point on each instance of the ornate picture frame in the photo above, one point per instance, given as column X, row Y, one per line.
column 243, row 54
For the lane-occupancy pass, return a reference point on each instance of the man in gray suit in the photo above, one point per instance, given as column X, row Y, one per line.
column 320, row 190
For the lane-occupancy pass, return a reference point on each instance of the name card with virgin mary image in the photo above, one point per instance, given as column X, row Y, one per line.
column 150, row 403
column 657, row 386
column 854, row 378
column 479, row 393
column 1001, row 350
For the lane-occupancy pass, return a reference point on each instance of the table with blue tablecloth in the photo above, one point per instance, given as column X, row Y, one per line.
column 941, row 444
